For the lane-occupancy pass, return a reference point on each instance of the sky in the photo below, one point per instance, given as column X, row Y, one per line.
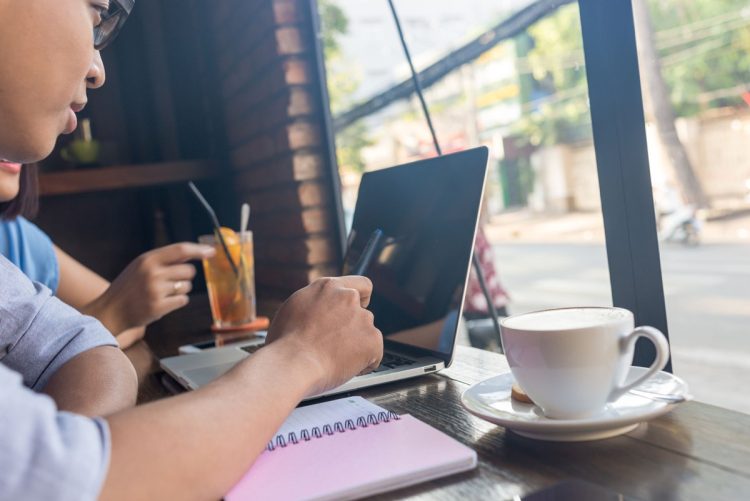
column 432, row 28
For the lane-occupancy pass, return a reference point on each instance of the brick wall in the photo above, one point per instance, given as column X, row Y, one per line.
column 267, row 79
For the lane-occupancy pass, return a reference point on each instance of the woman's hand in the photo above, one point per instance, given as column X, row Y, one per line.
column 154, row 284
column 326, row 324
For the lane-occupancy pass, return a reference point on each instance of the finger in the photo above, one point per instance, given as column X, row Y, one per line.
column 362, row 285
column 171, row 303
column 376, row 350
column 179, row 272
column 373, row 364
column 182, row 252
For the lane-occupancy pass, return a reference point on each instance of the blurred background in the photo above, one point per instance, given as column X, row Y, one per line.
column 510, row 74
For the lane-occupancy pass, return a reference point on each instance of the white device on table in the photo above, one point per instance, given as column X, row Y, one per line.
column 186, row 349
column 425, row 217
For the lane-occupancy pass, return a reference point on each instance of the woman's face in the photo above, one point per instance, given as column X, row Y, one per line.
column 47, row 61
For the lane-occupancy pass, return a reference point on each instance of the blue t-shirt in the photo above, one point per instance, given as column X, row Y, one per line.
column 31, row 250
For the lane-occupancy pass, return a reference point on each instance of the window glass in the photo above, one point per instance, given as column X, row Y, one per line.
column 524, row 96
column 695, row 75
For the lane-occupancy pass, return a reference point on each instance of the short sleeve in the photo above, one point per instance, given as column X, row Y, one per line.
column 38, row 332
column 31, row 250
column 45, row 453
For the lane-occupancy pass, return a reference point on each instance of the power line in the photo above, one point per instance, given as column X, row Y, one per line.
column 708, row 32
column 506, row 29
column 575, row 59
column 668, row 39
column 696, row 50
column 679, row 31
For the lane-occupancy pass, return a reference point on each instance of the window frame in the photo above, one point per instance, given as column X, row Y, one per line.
column 328, row 136
column 619, row 129
column 619, row 133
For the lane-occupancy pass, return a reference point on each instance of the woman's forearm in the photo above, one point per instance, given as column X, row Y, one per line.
column 129, row 337
column 211, row 436
column 106, row 313
column 97, row 382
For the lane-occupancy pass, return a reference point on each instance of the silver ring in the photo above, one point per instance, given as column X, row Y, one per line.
column 176, row 287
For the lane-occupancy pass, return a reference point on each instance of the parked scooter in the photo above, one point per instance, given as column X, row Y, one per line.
column 683, row 225
column 677, row 221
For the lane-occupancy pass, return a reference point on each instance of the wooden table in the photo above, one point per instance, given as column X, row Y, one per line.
column 697, row 451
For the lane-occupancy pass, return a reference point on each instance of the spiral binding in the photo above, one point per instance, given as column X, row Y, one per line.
column 306, row 435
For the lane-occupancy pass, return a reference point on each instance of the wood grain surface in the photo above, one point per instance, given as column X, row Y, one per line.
column 696, row 452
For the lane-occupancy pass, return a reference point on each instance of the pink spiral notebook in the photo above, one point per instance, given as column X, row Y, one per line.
column 347, row 449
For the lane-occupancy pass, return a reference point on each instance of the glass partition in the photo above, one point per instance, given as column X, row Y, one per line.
column 524, row 96
column 694, row 62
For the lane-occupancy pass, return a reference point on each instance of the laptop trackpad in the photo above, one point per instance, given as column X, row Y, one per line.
column 205, row 375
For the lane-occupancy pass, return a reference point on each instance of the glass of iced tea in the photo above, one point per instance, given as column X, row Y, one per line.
column 231, row 293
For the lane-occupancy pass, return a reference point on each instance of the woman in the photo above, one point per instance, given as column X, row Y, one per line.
column 153, row 285
column 321, row 336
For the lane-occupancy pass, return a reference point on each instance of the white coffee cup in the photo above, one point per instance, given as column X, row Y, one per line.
column 573, row 361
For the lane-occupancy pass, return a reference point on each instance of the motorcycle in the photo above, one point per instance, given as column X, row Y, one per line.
column 683, row 225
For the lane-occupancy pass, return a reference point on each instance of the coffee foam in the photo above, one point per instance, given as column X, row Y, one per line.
column 565, row 319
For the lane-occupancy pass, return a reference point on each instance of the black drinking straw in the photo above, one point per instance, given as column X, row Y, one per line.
column 215, row 222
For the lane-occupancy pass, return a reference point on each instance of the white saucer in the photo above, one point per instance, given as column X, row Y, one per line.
column 491, row 400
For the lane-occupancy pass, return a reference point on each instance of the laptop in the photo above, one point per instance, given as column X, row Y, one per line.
column 412, row 234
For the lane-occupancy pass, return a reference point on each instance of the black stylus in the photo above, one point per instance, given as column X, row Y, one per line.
column 373, row 244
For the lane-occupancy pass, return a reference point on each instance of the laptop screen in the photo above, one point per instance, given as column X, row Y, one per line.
column 412, row 235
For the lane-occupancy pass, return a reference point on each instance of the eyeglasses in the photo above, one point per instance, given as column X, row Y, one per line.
column 112, row 22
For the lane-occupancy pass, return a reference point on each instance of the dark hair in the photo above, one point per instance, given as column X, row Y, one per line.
column 26, row 203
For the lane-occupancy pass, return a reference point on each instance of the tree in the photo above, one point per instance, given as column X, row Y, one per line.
column 701, row 49
column 704, row 47
column 658, row 105
column 342, row 83
column 551, row 70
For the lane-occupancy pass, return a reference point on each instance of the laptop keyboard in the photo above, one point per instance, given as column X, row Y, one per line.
column 390, row 361
column 252, row 348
